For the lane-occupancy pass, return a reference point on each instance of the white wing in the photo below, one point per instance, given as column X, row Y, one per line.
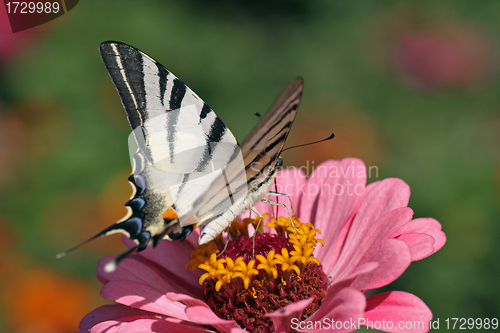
column 182, row 143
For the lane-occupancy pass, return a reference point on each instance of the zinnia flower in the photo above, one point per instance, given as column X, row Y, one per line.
column 294, row 281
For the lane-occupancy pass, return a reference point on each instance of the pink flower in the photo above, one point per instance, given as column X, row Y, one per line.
column 432, row 60
column 370, row 239
column 12, row 44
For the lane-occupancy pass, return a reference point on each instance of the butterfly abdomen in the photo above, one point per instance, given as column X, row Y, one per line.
column 258, row 188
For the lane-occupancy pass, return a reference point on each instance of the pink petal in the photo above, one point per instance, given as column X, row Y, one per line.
column 379, row 199
column 238, row 330
column 134, row 324
column 396, row 307
column 115, row 313
column 427, row 226
column 421, row 245
column 142, row 296
column 291, row 309
column 139, row 269
column 173, row 257
column 331, row 196
column 188, row 300
column 204, row 316
column 155, row 325
column 360, row 270
column 384, row 196
column 364, row 234
column 282, row 318
column 169, row 256
column 344, row 306
column 111, row 326
column 393, row 257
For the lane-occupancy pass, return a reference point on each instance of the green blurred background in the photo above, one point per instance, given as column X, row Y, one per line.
column 409, row 87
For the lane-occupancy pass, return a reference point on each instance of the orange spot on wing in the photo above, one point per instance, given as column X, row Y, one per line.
column 170, row 214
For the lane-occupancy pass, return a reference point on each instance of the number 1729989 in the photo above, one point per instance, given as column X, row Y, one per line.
column 39, row 7
column 471, row 323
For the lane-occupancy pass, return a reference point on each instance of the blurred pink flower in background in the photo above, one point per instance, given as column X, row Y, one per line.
column 431, row 60
column 370, row 239
column 11, row 44
column 429, row 52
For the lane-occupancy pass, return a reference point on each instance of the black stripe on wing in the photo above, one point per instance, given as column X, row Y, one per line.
column 138, row 77
column 214, row 137
column 213, row 140
column 205, row 111
column 176, row 96
column 125, row 67
column 163, row 74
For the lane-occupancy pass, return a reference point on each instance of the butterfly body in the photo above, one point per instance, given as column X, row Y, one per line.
column 255, row 194
column 187, row 167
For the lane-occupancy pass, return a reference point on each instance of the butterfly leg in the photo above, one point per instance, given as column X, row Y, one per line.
column 225, row 245
column 256, row 229
column 277, row 194
column 286, row 208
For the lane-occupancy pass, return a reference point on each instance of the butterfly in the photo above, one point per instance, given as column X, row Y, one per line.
column 188, row 168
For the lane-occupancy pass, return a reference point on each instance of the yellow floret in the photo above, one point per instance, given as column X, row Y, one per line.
column 215, row 268
column 223, row 271
column 201, row 255
column 303, row 255
column 307, row 236
column 279, row 224
column 287, row 263
column 268, row 264
column 245, row 272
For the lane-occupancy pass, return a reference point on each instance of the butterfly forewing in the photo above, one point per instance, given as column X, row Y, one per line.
column 180, row 142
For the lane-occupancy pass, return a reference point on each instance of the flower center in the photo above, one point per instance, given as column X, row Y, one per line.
column 245, row 288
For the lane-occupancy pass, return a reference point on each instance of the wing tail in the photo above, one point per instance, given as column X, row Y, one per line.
column 130, row 227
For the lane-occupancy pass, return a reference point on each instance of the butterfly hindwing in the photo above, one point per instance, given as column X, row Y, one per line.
column 260, row 150
column 262, row 147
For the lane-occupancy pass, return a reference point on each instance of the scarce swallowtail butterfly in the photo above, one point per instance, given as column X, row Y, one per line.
column 188, row 168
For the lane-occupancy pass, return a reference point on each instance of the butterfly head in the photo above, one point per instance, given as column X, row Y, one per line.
column 279, row 163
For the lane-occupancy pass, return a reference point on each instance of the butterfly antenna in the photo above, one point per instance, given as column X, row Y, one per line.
column 258, row 115
column 111, row 266
column 311, row 143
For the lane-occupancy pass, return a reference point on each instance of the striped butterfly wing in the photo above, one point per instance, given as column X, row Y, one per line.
column 187, row 166
column 261, row 150
column 180, row 144
column 262, row 147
